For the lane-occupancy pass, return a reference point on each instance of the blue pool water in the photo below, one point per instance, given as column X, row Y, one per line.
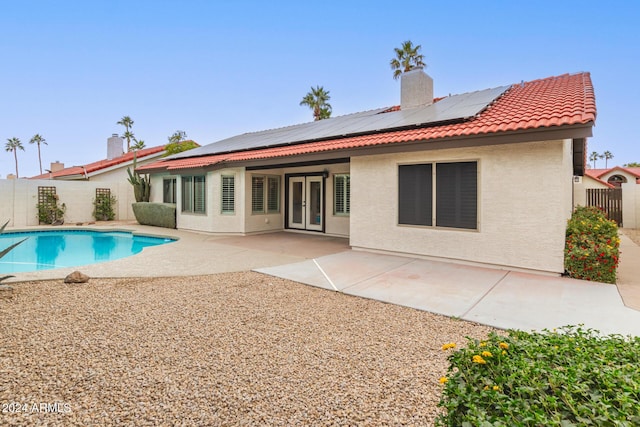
column 44, row 250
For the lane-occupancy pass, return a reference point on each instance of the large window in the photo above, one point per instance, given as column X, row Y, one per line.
column 193, row 194
column 341, row 194
column 228, row 194
column 265, row 194
column 169, row 190
column 455, row 186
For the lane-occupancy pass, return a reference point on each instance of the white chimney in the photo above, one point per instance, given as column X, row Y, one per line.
column 416, row 89
column 114, row 146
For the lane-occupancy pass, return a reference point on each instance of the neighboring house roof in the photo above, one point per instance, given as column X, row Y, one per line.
column 554, row 102
column 599, row 173
column 598, row 180
column 102, row 165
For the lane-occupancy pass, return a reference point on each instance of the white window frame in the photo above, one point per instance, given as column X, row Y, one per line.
column 228, row 201
column 267, row 203
column 190, row 183
column 342, row 207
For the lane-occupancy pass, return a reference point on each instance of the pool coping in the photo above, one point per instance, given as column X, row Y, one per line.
column 191, row 254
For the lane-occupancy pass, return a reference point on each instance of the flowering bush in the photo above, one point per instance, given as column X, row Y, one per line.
column 569, row 377
column 592, row 247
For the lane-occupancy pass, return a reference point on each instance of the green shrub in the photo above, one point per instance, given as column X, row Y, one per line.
column 158, row 214
column 572, row 377
column 103, row 207
column 592, row 247
column 50, row 212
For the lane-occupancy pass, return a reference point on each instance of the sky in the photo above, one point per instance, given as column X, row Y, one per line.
column 214, row 69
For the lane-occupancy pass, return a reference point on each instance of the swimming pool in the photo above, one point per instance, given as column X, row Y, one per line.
column 49, row 249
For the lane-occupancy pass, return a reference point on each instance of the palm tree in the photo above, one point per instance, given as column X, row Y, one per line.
column 14, row 144
column 128, row 136
column 317, row 100
column 407, row 58
column 128, row 124
column 595, row 156
column 139, row 145
column 38, row 139
column 607, row 156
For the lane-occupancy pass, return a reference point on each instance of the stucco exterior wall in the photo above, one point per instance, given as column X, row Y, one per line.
column 18, row 200
column 580, row 189
column 631, row 205
column 524, row 194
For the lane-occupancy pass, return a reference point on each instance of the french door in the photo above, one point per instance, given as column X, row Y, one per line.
column 306, row 210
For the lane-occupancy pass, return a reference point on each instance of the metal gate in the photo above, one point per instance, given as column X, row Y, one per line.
column 607, row 199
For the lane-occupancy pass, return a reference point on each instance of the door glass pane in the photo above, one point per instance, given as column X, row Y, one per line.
column 297, row 202
column 314, row 202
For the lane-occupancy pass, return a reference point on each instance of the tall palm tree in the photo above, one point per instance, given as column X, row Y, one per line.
column 595, row 156
column 607, row 156
column 38, row 139
column 317, row 100
column 128, row 124
column 407, row 58
column 13, row 145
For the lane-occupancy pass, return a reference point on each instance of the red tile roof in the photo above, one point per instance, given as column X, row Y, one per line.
column 101, row 164
column 546, row 103
column 599, row 173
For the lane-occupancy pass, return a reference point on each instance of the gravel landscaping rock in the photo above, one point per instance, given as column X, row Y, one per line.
column 227, row 349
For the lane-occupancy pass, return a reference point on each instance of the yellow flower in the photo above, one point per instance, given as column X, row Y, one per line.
column 478, row 359
column 486, row 387
column 496, row 388
column 447, row 346
column 483, row 344
column 486, row 354
column 443, row 380
column 504, row 345
column 504, row 352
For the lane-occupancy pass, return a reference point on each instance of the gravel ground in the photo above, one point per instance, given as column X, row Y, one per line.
column 227, row 349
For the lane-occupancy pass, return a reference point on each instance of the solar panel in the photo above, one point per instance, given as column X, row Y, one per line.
column 451, row 108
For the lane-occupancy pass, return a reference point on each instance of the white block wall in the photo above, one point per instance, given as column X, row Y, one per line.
column 19, row 197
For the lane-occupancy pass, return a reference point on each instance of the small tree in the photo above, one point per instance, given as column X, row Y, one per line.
column 632, row 165
column 104, row 207
column 177, row 137
column 407, row 58
column 179, row 147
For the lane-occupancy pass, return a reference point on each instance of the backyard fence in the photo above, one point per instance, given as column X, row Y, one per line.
column 609, row 200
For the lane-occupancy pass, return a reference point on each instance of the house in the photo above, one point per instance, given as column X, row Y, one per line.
column 483, row 177
column 113, row 168
column 616, row 176
column 621, row 202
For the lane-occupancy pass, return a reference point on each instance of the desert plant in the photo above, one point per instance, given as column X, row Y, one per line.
column 141, row 184
column 104, row 207
column 7, row 250
column 50, row 212
column 592, row 248
column 569, row 377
